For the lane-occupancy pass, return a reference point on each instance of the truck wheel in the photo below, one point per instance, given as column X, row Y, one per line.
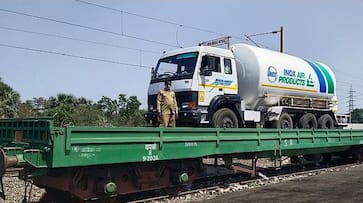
column 308, row 121
column 326, row 121
column 224, row 118
column 284, row 122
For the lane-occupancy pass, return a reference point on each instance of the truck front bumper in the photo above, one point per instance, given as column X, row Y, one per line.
column 151, row 118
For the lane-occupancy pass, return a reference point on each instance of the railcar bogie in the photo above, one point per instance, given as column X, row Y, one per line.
column 95, row 182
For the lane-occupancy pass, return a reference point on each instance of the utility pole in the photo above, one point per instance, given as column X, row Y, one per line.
column 281, row 31
column 282, row 39
column 351, row 102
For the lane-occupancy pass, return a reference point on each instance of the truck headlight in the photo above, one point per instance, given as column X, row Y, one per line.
column 188, row 105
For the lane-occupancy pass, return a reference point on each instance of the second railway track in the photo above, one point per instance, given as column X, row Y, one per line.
column 213, row 186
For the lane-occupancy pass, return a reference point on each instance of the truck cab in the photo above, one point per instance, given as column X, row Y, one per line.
column 203, row 78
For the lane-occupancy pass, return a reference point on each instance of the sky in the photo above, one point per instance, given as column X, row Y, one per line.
column 107, row 48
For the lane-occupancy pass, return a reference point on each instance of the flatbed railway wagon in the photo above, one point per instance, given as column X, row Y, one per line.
column 81, row 164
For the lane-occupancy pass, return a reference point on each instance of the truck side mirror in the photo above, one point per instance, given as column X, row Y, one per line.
column 153, row 73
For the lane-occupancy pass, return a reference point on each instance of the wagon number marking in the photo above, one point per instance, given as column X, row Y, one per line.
column 150, row 157
column 288, row 142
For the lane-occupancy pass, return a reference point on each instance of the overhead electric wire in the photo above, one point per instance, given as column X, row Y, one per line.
column 87, row 27
column 73, row 56
column 76, row 39
column 260, row 34
column 157, row 19
column 251, row 40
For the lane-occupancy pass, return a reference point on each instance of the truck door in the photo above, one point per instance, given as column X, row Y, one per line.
column 211, row 79
column 229, row 77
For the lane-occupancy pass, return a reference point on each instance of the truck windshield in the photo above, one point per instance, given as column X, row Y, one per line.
column 177, row 66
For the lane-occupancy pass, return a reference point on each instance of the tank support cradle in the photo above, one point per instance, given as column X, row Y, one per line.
column 251, row 170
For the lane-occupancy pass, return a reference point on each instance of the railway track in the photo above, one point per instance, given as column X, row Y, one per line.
column 238, row 182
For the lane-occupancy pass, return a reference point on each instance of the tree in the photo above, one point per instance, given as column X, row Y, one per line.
column 9, row 100
column 60, row 107
column 108, row 106
column 136, row 115
column 122, row 111
column 39, row 104
column 133, row 105
column 88, row 115
column 67, row 109
column 26, row 109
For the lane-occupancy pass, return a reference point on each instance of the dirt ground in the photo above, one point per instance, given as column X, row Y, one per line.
column 341, row 186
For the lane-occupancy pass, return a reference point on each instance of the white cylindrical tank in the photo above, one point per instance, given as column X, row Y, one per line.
column 264, row 76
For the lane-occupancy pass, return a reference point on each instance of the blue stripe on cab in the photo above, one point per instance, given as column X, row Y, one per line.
column 320, row 76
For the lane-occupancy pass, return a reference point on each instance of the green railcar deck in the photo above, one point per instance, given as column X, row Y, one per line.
column 38, row 144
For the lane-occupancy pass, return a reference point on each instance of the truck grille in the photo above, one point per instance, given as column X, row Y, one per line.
column 180, row 98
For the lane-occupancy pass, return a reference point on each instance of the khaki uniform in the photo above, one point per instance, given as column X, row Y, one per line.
column 167, row 106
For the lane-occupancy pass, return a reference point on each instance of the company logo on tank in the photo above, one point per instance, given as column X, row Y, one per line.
column 290, row 77
column 271, row 74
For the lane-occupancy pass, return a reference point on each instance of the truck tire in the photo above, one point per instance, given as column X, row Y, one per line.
column 224, row 118
column 284, row 122
column 326, row 121
column 308, row 121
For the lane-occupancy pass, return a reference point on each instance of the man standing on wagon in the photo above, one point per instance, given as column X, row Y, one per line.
column 167, row 106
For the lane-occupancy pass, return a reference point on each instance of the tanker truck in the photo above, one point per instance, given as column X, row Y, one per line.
column 245, row 86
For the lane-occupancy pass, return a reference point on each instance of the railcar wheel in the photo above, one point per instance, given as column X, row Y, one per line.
column 308, row 121
column 326, row 121
column 284, row 122
column 225, row 118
